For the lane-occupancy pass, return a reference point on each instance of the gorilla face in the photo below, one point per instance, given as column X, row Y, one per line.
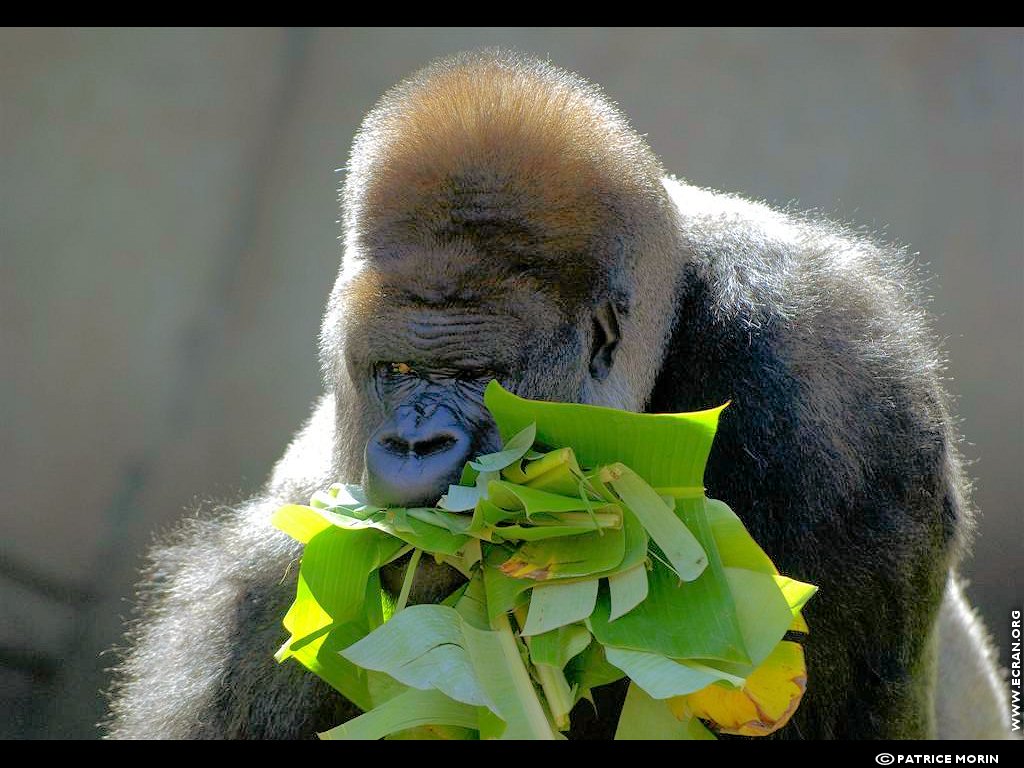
column 435, row 423
column 424, row 350
column 425, row 353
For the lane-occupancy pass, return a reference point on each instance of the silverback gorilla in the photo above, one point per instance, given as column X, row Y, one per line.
column 502, row 219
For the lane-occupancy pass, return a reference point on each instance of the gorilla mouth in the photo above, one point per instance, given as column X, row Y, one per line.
column 432, row 583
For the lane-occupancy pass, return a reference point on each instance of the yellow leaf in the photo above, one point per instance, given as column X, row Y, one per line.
column 799, row 624
column 762, row 705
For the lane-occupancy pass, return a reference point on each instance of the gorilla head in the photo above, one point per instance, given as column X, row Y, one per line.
column 502, row 220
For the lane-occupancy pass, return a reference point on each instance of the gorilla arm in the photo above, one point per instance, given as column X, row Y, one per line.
column 970, row 694
column 209, row 616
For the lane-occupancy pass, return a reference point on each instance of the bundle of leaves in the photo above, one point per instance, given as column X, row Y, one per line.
column 595, row 560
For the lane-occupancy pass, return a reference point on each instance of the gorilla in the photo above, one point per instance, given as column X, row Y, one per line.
column 501, row 219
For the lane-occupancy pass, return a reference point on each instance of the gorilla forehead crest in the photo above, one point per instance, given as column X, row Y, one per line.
column 507, row 154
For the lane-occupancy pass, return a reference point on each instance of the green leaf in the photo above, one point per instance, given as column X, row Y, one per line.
column 421, row 527
column 300, row 522
column 333, row 576
column 762, row 610
column 305, row 621
column 590, row 669
column 796, row 593
column 486, row 515
column 319, row 653
column 549, row 525
column 702, row 604
column 535, row 533
column 321, row 658
column 489, row 724
column 680, row 620
column 423, row 647
column 556, row 472
column 408, row 710
column 664, row 449
column 679, row 545
column 636, row 546
column 646, row 719
column 555, row 605
column 472, row 603
column 461, row 498
column 663, row 678
column 735, row 545
column 697, row 731
column 433, row 647
column 340, row 495
column 514, row 450
column 559, row 646
column 503, row 592
column 558, row 696
column 516, row 497
column 583, row 555
column 436, row 539
column 454, row 523
column 627, row 590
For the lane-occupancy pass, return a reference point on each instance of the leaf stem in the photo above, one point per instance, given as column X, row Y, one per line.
column 410, row 574
column 538, row 722
column 557, row 692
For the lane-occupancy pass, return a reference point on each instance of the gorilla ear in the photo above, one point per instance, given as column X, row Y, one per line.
column 606, row 340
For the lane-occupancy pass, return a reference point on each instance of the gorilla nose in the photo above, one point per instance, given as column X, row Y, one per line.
column 411, row 462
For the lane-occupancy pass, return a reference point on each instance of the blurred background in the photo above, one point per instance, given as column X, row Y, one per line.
column 168, row 239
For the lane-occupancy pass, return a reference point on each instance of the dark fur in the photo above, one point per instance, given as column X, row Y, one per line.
column 837, row 453
column 838, row 450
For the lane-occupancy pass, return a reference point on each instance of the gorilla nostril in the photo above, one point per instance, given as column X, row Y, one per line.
column 421, row 449
column 435, row 444
column 396, row 445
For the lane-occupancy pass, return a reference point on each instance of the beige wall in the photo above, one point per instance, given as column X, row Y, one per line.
column 167, row 240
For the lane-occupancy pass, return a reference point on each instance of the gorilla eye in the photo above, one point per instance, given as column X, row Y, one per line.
column 392, row 373
column 473, row 374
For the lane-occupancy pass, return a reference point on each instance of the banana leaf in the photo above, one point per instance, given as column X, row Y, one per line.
column 559, row 646
column 573, row 556
column 626, row 591
column 409, row 710
column 665, row 449
column 513, row 450
column 555, row 605
column 644, row 718
column 431, row 647
column 624, row 569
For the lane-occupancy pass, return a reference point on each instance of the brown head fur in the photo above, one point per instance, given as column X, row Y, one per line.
column 509, row 155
